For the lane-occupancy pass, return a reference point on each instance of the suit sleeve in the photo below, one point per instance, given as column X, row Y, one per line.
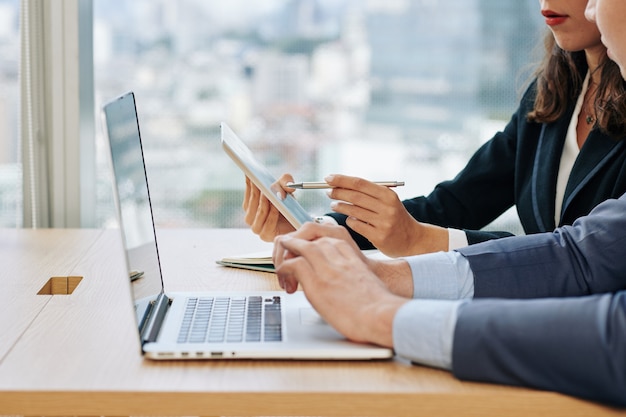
column 585, row 258
column 481, row 192
column 575, row 346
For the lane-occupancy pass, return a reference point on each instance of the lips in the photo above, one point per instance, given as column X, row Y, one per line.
column 553, row 18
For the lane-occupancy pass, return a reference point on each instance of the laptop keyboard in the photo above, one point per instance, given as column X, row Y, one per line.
column 231, row 320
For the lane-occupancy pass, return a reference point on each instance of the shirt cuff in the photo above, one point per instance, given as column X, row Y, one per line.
column 423, row 331
column 457, row 239
column 441, row 275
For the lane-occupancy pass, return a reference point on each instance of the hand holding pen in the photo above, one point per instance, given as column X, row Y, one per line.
column 378, row 214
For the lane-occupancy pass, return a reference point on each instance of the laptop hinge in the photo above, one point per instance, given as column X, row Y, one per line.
column 154, row 321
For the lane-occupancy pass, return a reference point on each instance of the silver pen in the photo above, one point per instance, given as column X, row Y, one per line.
column 318, row 185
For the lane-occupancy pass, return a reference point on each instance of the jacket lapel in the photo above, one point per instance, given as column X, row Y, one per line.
column 547, row 161
column 594, row 155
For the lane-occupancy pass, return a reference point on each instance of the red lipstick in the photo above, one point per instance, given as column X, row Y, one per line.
column 553, row 18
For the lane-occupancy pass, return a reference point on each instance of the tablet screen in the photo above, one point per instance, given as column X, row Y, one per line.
column 262, row 178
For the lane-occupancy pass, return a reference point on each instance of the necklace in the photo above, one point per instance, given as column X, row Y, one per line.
column 590, row 117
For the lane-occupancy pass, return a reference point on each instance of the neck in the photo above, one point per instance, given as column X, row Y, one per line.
column 594, row 57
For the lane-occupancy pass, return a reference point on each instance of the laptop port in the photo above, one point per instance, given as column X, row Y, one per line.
column 216, row 354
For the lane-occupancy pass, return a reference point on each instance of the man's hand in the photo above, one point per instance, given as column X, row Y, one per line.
column 395, row 274
column 340, row 286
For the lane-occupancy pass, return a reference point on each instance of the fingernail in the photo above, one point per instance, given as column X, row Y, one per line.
column 333, row 205
column 329, row 178
column 279, row 195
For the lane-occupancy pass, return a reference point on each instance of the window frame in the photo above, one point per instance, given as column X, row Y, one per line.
column 57, row 113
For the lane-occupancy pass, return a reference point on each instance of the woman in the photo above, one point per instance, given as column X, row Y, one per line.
column 560, row 155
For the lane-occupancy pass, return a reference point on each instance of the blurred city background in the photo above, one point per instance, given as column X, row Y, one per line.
column 383, row 89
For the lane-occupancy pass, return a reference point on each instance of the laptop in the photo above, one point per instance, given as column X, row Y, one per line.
column 208, row 325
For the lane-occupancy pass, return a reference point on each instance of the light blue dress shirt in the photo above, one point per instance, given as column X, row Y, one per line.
column 423, row 329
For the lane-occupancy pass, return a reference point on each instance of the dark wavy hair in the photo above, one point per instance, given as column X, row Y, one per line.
column 559, row 82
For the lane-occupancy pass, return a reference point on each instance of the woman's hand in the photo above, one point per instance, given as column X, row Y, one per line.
column 263, row 218
column 376, row 212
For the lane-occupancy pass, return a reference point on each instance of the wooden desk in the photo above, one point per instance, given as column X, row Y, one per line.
column 79, row 354
column 29, row 258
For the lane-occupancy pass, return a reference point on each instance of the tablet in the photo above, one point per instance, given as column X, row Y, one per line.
column 262, row 178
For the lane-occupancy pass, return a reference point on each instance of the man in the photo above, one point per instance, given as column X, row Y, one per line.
column 570, row 337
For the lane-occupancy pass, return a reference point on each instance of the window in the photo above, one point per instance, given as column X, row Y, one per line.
column 10, row 151
column 384, row 89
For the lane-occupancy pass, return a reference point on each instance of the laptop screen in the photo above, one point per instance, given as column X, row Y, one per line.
column 132, row 199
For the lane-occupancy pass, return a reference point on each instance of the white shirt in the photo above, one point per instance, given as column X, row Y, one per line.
column 569, row 155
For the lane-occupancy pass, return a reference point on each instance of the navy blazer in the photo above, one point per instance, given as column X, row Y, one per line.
column 519, row 166
column 571, row 337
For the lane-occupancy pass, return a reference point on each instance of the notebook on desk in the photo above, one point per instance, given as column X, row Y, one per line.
column 256, row 261
column 208, row 325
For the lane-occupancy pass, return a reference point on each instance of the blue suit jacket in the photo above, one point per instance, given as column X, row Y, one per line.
column 575, row 345
column 519, row 166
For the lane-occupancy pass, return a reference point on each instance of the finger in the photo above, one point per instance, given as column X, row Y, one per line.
column 363, row 214
column 277, row 252
column 320, row 254
column 297, row 247
column 361, row 185
column 286, row 279
column 328, row 235
column 282, row 189
column 310, row 232
column 313, row 231
column 289, row 272
column 280, row 279
column 252, row 206
column 284, row 179
column 359, row 199
column 316, row 232
column 259, row 224
column 297, row 268
column 270, row 225
column 365, row 229
column 246, row 195
column 339, row 249
column 259, row 214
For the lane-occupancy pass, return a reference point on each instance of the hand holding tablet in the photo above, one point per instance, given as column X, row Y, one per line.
column 289, row 207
